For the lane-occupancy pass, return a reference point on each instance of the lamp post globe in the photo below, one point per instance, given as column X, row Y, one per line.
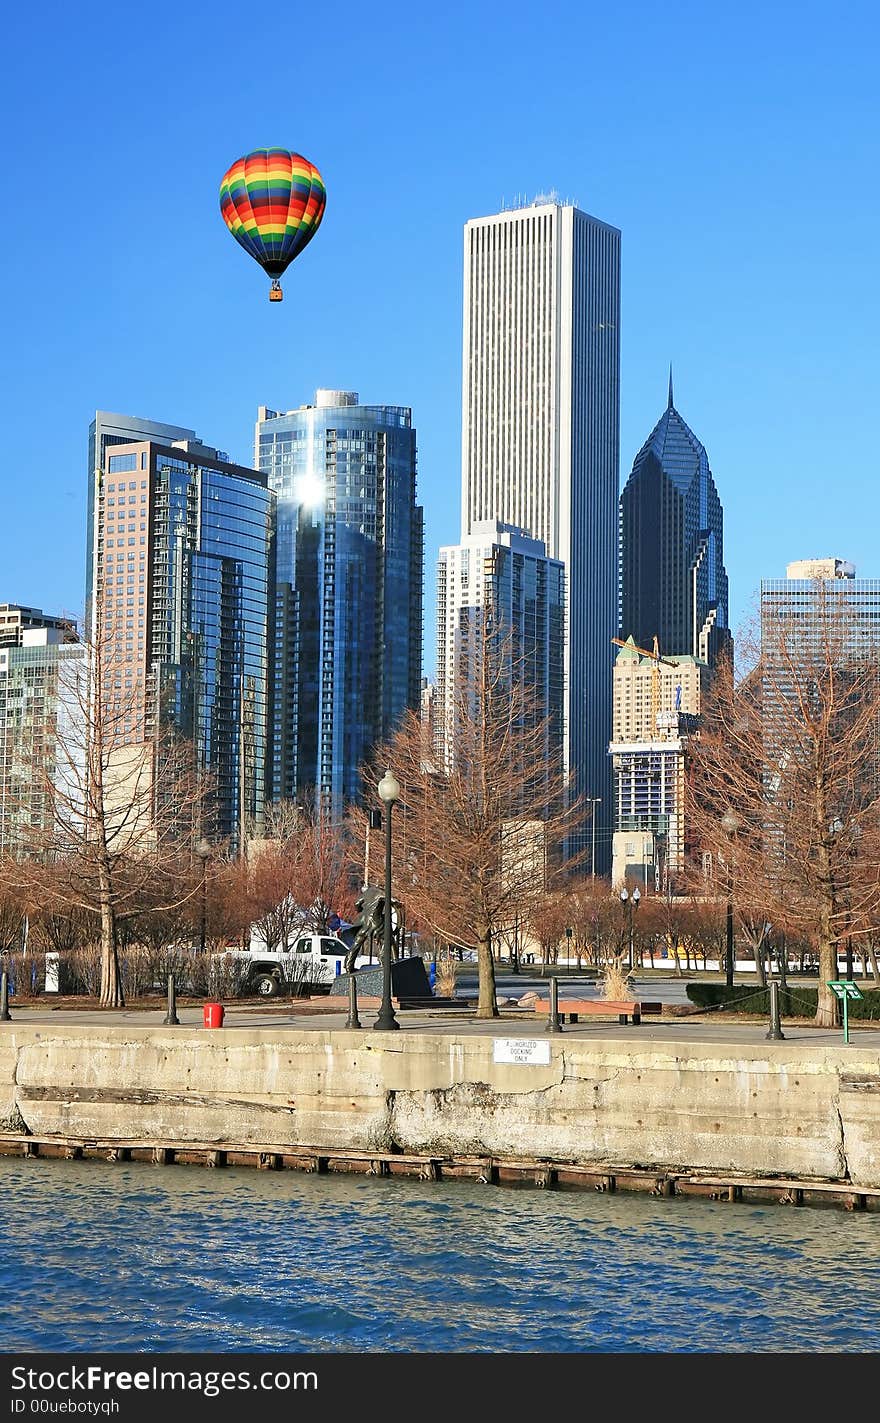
column 389, row 788
column 389, row 792
column 630, row 902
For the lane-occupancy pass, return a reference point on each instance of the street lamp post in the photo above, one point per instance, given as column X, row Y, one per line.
column 203, row 850
column 630, row 902
column 594, row 801
column 730, row 823
column 389, row 792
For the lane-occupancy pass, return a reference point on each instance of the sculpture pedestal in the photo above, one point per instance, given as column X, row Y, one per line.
column 409, row 982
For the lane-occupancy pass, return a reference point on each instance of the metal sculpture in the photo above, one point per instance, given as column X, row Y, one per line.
column 369, row 926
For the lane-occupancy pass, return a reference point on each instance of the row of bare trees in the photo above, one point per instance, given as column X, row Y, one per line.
column 286, row 887
column 783, row 814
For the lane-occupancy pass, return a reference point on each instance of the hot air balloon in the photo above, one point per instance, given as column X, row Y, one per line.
column 272, row 201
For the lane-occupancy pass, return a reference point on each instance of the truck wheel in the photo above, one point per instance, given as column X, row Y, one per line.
column 267, row 985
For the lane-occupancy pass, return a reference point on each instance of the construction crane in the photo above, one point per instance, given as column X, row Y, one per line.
column 656, row 660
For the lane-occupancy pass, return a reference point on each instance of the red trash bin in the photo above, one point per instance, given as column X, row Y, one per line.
column 213, row 1015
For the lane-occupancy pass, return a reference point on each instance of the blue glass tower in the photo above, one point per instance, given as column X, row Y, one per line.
column 348, row 611
column 673, row 585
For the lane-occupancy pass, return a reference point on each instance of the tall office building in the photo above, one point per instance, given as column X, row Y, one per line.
column 816, row 596
column 348, row 612
column 820, row 639
column 108, row 429
column 42, row 667
column 673, row 585
column 182, row 574
column 820, row 610
column 541, row 432
column 498, row 582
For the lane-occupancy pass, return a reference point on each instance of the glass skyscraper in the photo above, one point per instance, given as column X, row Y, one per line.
column 180, row 599
column 348, row 611
column 110, row 429
column 673, row 585
column 819, row 615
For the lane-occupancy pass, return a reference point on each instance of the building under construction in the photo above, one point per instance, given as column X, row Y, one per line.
column 656, row 703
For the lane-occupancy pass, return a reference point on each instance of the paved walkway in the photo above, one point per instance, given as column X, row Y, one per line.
column 513, row 1022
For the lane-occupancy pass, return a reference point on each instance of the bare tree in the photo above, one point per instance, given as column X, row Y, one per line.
column 13, row 910
column 547, row 923
column 481, row 840
column 784, row 788
column 123, row 805
column 327, row 874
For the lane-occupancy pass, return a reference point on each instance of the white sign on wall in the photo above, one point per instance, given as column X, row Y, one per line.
column 533, row 1052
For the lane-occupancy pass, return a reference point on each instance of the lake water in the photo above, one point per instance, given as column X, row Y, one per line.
column 129, row 1257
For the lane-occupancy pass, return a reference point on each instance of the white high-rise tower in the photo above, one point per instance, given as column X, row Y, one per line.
column 541, row 434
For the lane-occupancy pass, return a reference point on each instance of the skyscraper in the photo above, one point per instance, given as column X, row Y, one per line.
column 180, row 603
column 540, row 431
column 498, row 582
column 105, row 430
column 348, row 610
column 673, row 584
column 41, row 659
column 820, row 614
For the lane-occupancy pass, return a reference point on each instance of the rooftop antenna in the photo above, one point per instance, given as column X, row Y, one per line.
column 670, row 406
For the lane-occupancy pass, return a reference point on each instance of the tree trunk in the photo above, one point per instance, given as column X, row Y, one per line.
column 827, row 1003
column 760, row 963
column 872, row 955
column 111, row 981
column 487, row 1005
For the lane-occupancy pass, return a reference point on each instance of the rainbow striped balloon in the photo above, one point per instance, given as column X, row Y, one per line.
column 272, row 201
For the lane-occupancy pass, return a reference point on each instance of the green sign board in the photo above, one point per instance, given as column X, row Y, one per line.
column 844, row 989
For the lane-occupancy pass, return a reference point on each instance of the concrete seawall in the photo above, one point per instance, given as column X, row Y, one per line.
column 791, row 1110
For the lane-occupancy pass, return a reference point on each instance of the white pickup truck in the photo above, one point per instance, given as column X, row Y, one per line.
column 312, row 961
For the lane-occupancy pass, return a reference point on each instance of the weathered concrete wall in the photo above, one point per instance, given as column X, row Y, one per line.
column 785, row 1109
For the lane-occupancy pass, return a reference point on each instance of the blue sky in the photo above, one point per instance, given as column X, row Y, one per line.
column 736, row 147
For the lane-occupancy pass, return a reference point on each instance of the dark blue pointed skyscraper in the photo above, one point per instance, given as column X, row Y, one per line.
column 673, row 584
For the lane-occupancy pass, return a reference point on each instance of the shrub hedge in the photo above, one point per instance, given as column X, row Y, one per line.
column 795, row 1001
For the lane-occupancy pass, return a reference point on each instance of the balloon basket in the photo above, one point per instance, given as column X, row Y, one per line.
column 275, row 293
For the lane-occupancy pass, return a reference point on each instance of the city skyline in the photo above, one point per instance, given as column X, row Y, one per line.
column 753, row 273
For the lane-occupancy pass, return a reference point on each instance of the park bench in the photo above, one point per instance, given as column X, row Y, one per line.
column 575, row 1008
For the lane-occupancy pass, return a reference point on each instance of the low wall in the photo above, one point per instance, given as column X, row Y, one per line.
column 787, row 1109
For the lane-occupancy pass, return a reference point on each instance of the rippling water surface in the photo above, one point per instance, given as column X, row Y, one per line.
column 99, row 1257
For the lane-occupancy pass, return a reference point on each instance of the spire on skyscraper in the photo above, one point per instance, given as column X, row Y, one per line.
column 673, row 581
